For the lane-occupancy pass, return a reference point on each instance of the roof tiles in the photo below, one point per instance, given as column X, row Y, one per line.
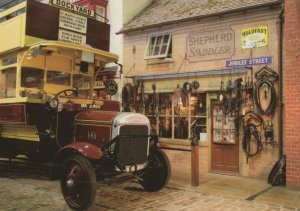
column 166, row 11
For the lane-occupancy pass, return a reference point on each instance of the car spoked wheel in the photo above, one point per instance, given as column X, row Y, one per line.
column 158, row 171
column 78, row 182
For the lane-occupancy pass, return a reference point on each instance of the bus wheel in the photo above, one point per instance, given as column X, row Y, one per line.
column 78, row 182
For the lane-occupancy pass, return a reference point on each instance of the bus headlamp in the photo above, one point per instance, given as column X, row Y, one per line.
column 53, row 103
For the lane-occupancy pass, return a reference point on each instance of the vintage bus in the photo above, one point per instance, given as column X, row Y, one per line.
column 49, row 113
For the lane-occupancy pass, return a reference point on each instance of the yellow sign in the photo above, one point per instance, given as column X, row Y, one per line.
column 254, row 37
column 99, row 85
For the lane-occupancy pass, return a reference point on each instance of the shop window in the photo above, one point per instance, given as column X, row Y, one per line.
column 8, row 83
column 223, row 126
column 177, row 120
column 159, row 46
column 198, row 116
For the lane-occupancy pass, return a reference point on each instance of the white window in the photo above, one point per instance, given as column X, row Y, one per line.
column 159, row 46
column 100, row 13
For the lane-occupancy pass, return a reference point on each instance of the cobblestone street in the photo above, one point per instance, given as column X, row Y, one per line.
column 150, row 105
column 25, row 193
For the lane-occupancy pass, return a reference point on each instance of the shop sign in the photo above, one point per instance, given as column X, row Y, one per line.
column 111, row 87
column 72, row 22
column 73, row 7
column 249, row 62
column 71, row 37
column 254, row 37
column 99, row 85
column 212, row 45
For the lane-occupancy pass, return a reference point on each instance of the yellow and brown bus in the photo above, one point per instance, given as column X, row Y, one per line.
column 48, row 111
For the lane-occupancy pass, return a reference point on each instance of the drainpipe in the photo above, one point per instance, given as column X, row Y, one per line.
column 280, row 94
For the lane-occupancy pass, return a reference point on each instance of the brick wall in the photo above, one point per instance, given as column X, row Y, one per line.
column 292, row 91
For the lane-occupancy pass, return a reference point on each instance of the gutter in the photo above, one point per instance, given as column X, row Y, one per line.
column 280, row 94
column 192, row 74
column 200, row 17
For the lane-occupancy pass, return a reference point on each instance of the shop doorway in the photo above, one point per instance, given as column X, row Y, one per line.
column 224, row 141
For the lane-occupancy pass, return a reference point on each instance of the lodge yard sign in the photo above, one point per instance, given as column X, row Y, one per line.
column 211, row 45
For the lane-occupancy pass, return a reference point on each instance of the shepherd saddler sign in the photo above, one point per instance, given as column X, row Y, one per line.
column 210, row 45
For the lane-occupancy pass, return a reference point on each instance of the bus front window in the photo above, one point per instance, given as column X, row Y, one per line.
column 83, row 84
column 58, row 78
column 32, row 77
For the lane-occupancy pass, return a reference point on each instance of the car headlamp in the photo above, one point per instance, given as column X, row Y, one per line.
column 53, row 102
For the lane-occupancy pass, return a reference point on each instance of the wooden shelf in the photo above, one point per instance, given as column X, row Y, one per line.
column 224, row 142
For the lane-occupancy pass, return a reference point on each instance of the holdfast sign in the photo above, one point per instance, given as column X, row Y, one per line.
column 73, row 7
column 254, row 37
column 111, row 87
column 249, row 62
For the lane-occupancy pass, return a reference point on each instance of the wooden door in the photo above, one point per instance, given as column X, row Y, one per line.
column 224, row 141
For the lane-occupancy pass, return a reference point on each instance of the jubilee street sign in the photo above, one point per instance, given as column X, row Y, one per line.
column 249, row 62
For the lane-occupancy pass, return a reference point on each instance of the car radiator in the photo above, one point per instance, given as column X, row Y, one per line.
column 133, row 145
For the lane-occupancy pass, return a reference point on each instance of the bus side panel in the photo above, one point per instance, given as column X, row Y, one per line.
column 12, row 113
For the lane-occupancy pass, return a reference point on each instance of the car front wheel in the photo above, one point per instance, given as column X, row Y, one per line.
column 158, row 171
column 78, row 182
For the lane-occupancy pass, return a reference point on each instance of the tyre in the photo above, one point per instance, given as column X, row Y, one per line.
column 78, row 182
column 277, row 175
column 158, row 171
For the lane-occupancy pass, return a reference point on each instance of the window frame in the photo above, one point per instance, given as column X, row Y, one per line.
column 188, row 117
column 40, row 79
column 149, row 53
column 12, row 89
column 56, row 73
column 100, row 17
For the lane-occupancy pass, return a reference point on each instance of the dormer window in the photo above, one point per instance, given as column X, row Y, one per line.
column 159, row 46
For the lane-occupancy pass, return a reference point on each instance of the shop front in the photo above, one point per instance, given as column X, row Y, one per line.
column 215, row 81
column 184, row 106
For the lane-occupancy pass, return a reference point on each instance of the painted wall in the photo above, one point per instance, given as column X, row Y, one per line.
column 292, row 91
column 135, row 65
